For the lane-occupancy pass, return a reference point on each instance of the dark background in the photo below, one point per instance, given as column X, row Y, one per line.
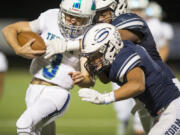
column 31, row 9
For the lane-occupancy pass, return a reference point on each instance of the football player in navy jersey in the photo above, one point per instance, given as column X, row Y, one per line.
column 139, row 76
column 131, row 27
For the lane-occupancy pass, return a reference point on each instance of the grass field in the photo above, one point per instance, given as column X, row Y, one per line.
column 81, row 119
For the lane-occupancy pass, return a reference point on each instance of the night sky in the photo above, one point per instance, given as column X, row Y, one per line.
column 30, row 9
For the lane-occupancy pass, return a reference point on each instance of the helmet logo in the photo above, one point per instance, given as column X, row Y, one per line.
column 93, row 7
column 77, row 4
column 101, row 35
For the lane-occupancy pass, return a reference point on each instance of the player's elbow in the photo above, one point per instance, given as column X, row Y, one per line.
column 140, row 87
column 7, row 30
column 4, row 30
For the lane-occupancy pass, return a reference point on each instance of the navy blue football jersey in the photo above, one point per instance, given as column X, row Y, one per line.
column 160, row 90
column 135, row 23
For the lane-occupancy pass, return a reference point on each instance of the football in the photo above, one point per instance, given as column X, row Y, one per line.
column 24, row 37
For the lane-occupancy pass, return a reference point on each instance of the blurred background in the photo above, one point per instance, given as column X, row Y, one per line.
column 81, row 118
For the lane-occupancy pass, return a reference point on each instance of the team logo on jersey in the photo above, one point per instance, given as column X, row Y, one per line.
column 77, row 4
column 101, row 35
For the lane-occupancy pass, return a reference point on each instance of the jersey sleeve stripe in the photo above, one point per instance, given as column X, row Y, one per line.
column 129, row 24
column 132, row 61
column 125, row 62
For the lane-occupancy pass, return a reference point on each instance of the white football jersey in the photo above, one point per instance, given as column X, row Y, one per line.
column 3, row 63
column 168, row 31
column 56, row 69
column 156, row 29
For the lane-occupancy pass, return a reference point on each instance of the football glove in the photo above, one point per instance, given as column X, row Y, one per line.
column 58, row 45
column 55, row 46
column 95, row 97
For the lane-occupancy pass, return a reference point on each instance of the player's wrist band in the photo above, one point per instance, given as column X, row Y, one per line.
column 109, row 97
column 72, row 45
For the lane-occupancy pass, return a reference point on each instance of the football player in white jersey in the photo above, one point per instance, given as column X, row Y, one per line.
column 3, row 69
column 162, row 31
column 48, row 96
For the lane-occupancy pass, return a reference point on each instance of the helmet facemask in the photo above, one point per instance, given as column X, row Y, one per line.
column 110, row 16
column 75, row 16
column 101, row 59
column 94, row 63
column 105, row 6
column 117, row 7
column 73, row 31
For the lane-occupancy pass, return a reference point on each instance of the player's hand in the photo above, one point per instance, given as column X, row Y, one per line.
column 55, row 46
column 95, row 97
column 27, row 52
column 77, row 77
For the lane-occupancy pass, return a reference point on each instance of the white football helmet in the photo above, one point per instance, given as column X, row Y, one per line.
column 154, row 10
column 137, row 4
column 117, row 6
column 84, row 9
column 101, row 39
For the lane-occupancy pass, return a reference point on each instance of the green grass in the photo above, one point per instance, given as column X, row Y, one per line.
column 81, row 118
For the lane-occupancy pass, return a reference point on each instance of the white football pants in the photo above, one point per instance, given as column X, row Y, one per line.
column 44, row 105
column 168, row 123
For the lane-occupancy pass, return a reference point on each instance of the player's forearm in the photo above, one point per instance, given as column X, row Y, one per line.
column 134, row 86
column 86, row 82
column 129, row 90
column 129, row 35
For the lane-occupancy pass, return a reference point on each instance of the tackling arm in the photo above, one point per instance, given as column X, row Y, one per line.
column 131, row 35
column 135, row 85
column 82, row 78
column 60, row 45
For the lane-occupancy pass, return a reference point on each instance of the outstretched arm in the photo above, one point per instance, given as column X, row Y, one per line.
column 61, row 45
column 135, row 85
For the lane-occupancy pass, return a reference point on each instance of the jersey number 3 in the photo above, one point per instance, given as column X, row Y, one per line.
column 50, row 71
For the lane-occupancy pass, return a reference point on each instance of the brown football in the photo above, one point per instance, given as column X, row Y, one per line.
column 24, row 37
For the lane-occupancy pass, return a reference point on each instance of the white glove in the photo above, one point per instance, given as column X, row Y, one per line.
column 95, row 97
column 55, row 46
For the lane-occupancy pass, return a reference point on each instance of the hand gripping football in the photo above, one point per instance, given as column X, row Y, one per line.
column 24, row 37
